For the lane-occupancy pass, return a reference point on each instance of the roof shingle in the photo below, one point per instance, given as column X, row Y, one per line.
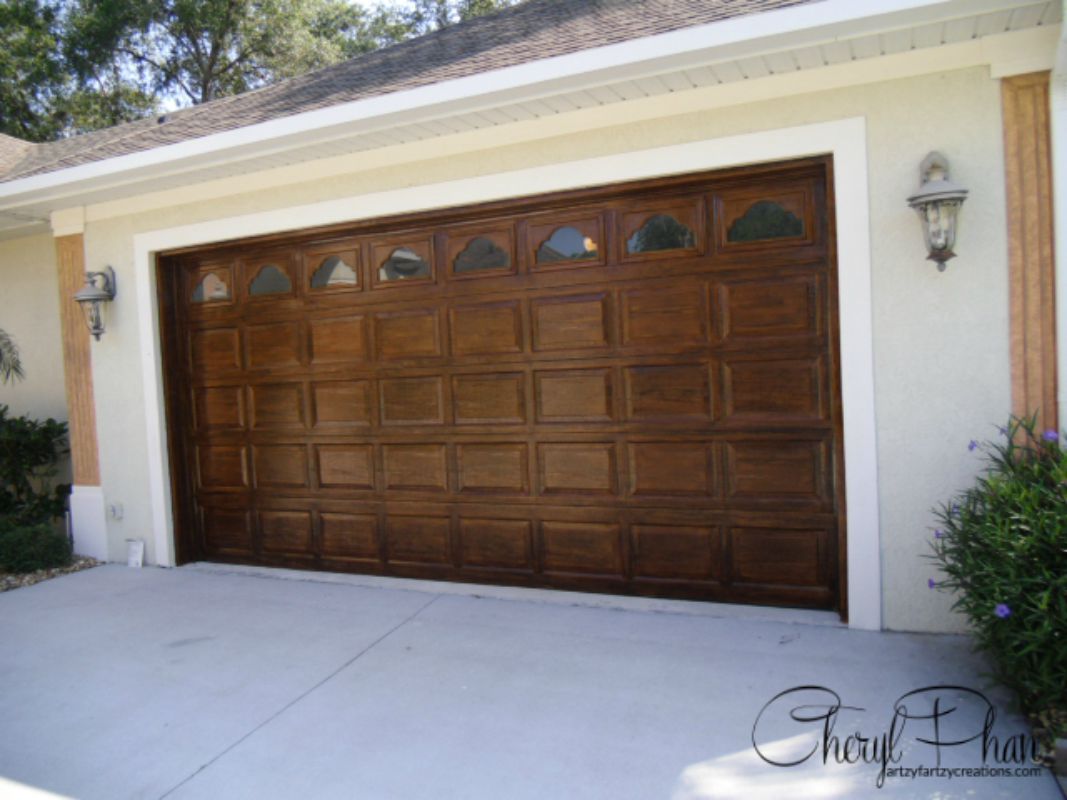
column 528, row 32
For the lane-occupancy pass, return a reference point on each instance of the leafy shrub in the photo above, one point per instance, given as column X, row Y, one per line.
column 25, row 548
column 29, row 453
column 1003, row 546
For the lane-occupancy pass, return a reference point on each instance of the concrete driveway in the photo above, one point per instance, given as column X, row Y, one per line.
column 209, row 682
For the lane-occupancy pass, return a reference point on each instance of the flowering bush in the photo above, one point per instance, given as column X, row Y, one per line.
column 1002, row 546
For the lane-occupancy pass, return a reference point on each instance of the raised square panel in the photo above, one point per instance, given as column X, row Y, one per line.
column 786, row 390
column 570, row 323
column 341, row 403
column 496, row 543
column 754, row 309
column 222, row 467
column 584, row 547
column 418, row 540
column 408, row 334
column 345, row 466
column 282, row 466
column 668, row 392
column 349, row 536
column 285, row 531
column 492, row 467
column 576, row 395
column 674, row 317
column 227, row 530
column 219, row 407
column 214, row 351
column 670, row 468
column 496, row 398
column 277, row 404
column 772, row 555
column 486, row 329
column 415, row 466
column 412, row 401
column 794, row 470
column 274, row 345
column 676, row 552
column 334, row 340
column 577, row 468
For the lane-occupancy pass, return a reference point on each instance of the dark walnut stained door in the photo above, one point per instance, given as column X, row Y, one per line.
column 631, row 389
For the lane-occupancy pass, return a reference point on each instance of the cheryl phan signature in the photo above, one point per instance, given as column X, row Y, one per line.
column 933, row 719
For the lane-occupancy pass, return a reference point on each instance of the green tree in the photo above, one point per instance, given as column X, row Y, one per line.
column 33, row 79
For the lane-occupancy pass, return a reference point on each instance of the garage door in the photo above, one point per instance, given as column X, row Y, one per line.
column 631, row 389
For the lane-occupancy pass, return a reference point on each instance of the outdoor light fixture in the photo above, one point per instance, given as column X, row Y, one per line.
column 938, row 203
column 99, row 289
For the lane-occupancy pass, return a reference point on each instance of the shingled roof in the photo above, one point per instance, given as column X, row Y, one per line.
column 531, row 31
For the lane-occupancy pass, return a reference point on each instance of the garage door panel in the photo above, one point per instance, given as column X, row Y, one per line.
column 672, row 316
column 497, row 544
column 489, row 398
column 338, row 340
column 628, row 389
column 401, row 335
column 280, row 466
column 677, row 552
column 412, row 401
column 492, row 468
column 776, row 307
column 418, row 540
column 679, row 468
column 286, row 532
column 582, row 547
column 668, row 392
column 571, row 322
column 277, row 405
column 415, row 467
column 772, row 555
column 773, row 390
column 575, row 395
column 486, row 328
column 345, row 466
column 350, row 536
column 778, row 471
column 577, row 468
column 342, row 403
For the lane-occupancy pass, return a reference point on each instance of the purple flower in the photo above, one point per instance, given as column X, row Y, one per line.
column 972, row 446
column 1003, row 611
column 955, row 510
column 939, row 534
column 1051, row 435
column 931, row 583
column 1003, row 430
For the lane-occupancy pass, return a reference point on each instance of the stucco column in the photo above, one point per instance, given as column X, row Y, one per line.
column 87, row 508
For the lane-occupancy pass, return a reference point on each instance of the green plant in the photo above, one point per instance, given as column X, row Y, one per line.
column 29, row 453
column 25, row 548
column 1002, row 546
column 10, row 363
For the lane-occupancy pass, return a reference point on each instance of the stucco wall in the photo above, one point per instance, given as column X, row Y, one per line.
column 30, row 313
column 941, row 339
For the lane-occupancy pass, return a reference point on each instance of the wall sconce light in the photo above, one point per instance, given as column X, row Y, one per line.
column 98, row 290
column 938, row 203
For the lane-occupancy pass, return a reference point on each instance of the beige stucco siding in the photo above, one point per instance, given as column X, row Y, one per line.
column 942, row 371
column 29, row 311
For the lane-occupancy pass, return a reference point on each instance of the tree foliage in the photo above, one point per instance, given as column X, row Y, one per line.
column 69, row 66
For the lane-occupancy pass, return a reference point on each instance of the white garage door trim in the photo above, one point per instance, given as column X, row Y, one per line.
column 845, row 140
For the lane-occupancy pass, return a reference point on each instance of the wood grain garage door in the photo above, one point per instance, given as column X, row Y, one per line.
column 631, row 389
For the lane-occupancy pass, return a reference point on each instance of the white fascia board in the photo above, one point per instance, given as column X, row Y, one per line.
column 822, row 21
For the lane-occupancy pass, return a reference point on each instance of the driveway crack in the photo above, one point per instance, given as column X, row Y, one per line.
column 303, row 695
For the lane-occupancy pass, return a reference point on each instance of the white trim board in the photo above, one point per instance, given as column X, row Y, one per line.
column 845, row 140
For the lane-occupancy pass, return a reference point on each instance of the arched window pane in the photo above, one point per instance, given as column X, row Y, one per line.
column 765, row 220
column 402, row 265
column 660, row 232
column 333, row 271
column 211, row 289
column 481, row 254
column 270, row 280
column 566, row 244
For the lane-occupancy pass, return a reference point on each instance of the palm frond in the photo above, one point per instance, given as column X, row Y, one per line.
column 10, row 363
